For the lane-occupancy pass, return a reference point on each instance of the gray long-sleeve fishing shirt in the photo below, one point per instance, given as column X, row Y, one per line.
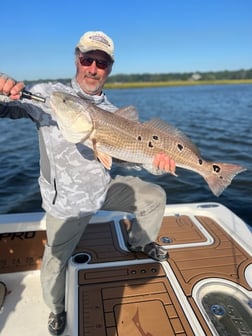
column 72, row 182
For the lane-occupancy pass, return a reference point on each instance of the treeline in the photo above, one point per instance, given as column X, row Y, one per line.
column 241, row 74
column 166, row 77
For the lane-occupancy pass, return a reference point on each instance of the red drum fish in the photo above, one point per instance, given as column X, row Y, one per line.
column 120, row 135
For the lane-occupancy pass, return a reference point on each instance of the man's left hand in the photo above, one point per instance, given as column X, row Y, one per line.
column 164, row 163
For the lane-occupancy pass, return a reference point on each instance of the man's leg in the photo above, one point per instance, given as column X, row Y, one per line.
column 147, row 202
column 62, row 238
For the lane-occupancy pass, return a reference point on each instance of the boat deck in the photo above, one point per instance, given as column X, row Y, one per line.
column 204, row 288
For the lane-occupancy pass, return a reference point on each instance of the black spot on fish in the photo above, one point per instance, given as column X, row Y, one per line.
column 180, row 147
column 200, row 161
column 155, row 137
column 150, row 144
column 139, row 138
column 216, row 168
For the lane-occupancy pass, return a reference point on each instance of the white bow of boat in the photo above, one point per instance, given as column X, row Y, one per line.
column 204, row 287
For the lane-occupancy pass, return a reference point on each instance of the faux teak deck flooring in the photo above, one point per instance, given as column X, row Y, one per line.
column 137, row 300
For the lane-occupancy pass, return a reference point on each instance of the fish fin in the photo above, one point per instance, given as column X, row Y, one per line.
column 161, row 125
column 172, row 131
column 105, row 159
column 128, row 112
column 219, row 181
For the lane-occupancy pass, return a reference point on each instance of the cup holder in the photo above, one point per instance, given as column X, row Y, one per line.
column 81, row 258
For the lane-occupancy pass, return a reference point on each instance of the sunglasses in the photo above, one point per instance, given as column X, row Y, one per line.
column 87, row 61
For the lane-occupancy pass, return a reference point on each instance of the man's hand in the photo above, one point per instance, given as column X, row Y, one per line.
column 9, row 87
column 164, row 163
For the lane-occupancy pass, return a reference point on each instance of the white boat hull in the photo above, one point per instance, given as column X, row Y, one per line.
column 210, row 262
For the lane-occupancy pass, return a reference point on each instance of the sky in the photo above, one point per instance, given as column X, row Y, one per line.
column 158, row 36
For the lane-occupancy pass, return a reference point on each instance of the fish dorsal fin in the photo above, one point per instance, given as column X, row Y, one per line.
column 178, row 135
column 128, row 112
column 163, row 127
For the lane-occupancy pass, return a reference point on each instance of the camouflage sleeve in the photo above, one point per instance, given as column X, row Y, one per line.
column 24, row 108
column 12, row 110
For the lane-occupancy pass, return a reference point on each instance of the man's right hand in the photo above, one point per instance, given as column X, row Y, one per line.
column 9, row 87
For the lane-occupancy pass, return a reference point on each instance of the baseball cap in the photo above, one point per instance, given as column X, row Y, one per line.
column 96, row 40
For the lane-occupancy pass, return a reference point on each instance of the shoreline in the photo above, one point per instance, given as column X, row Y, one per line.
column 132, row 85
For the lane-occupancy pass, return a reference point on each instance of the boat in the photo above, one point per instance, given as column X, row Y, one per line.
column 203, row 288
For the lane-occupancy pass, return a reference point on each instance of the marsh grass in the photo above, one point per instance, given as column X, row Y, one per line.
column 132, row 85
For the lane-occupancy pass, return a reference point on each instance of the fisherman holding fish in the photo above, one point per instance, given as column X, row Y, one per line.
column 74, row 184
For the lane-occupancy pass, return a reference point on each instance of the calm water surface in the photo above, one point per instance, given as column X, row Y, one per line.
column 218, row 119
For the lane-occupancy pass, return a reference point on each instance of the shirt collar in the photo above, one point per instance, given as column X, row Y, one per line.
column 93, row 99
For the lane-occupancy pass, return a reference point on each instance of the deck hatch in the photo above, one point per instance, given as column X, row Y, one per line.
column 132, row 300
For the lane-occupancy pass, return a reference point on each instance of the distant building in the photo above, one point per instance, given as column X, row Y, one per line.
column 195, row 77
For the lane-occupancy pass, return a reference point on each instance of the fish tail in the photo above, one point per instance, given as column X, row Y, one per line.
column 222, row 176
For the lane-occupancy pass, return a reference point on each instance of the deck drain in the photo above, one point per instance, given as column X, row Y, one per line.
column 166, row 240
column 81, row 258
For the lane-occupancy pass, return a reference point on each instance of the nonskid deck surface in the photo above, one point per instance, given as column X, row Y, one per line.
column 114, row 292
column 132, row 300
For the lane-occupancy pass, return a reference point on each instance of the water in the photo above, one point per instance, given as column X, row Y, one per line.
column 218, row 120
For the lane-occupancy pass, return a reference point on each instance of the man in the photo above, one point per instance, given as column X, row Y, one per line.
column 73, row 184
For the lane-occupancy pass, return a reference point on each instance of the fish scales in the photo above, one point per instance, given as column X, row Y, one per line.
column 137, row 142
column 119, row 135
